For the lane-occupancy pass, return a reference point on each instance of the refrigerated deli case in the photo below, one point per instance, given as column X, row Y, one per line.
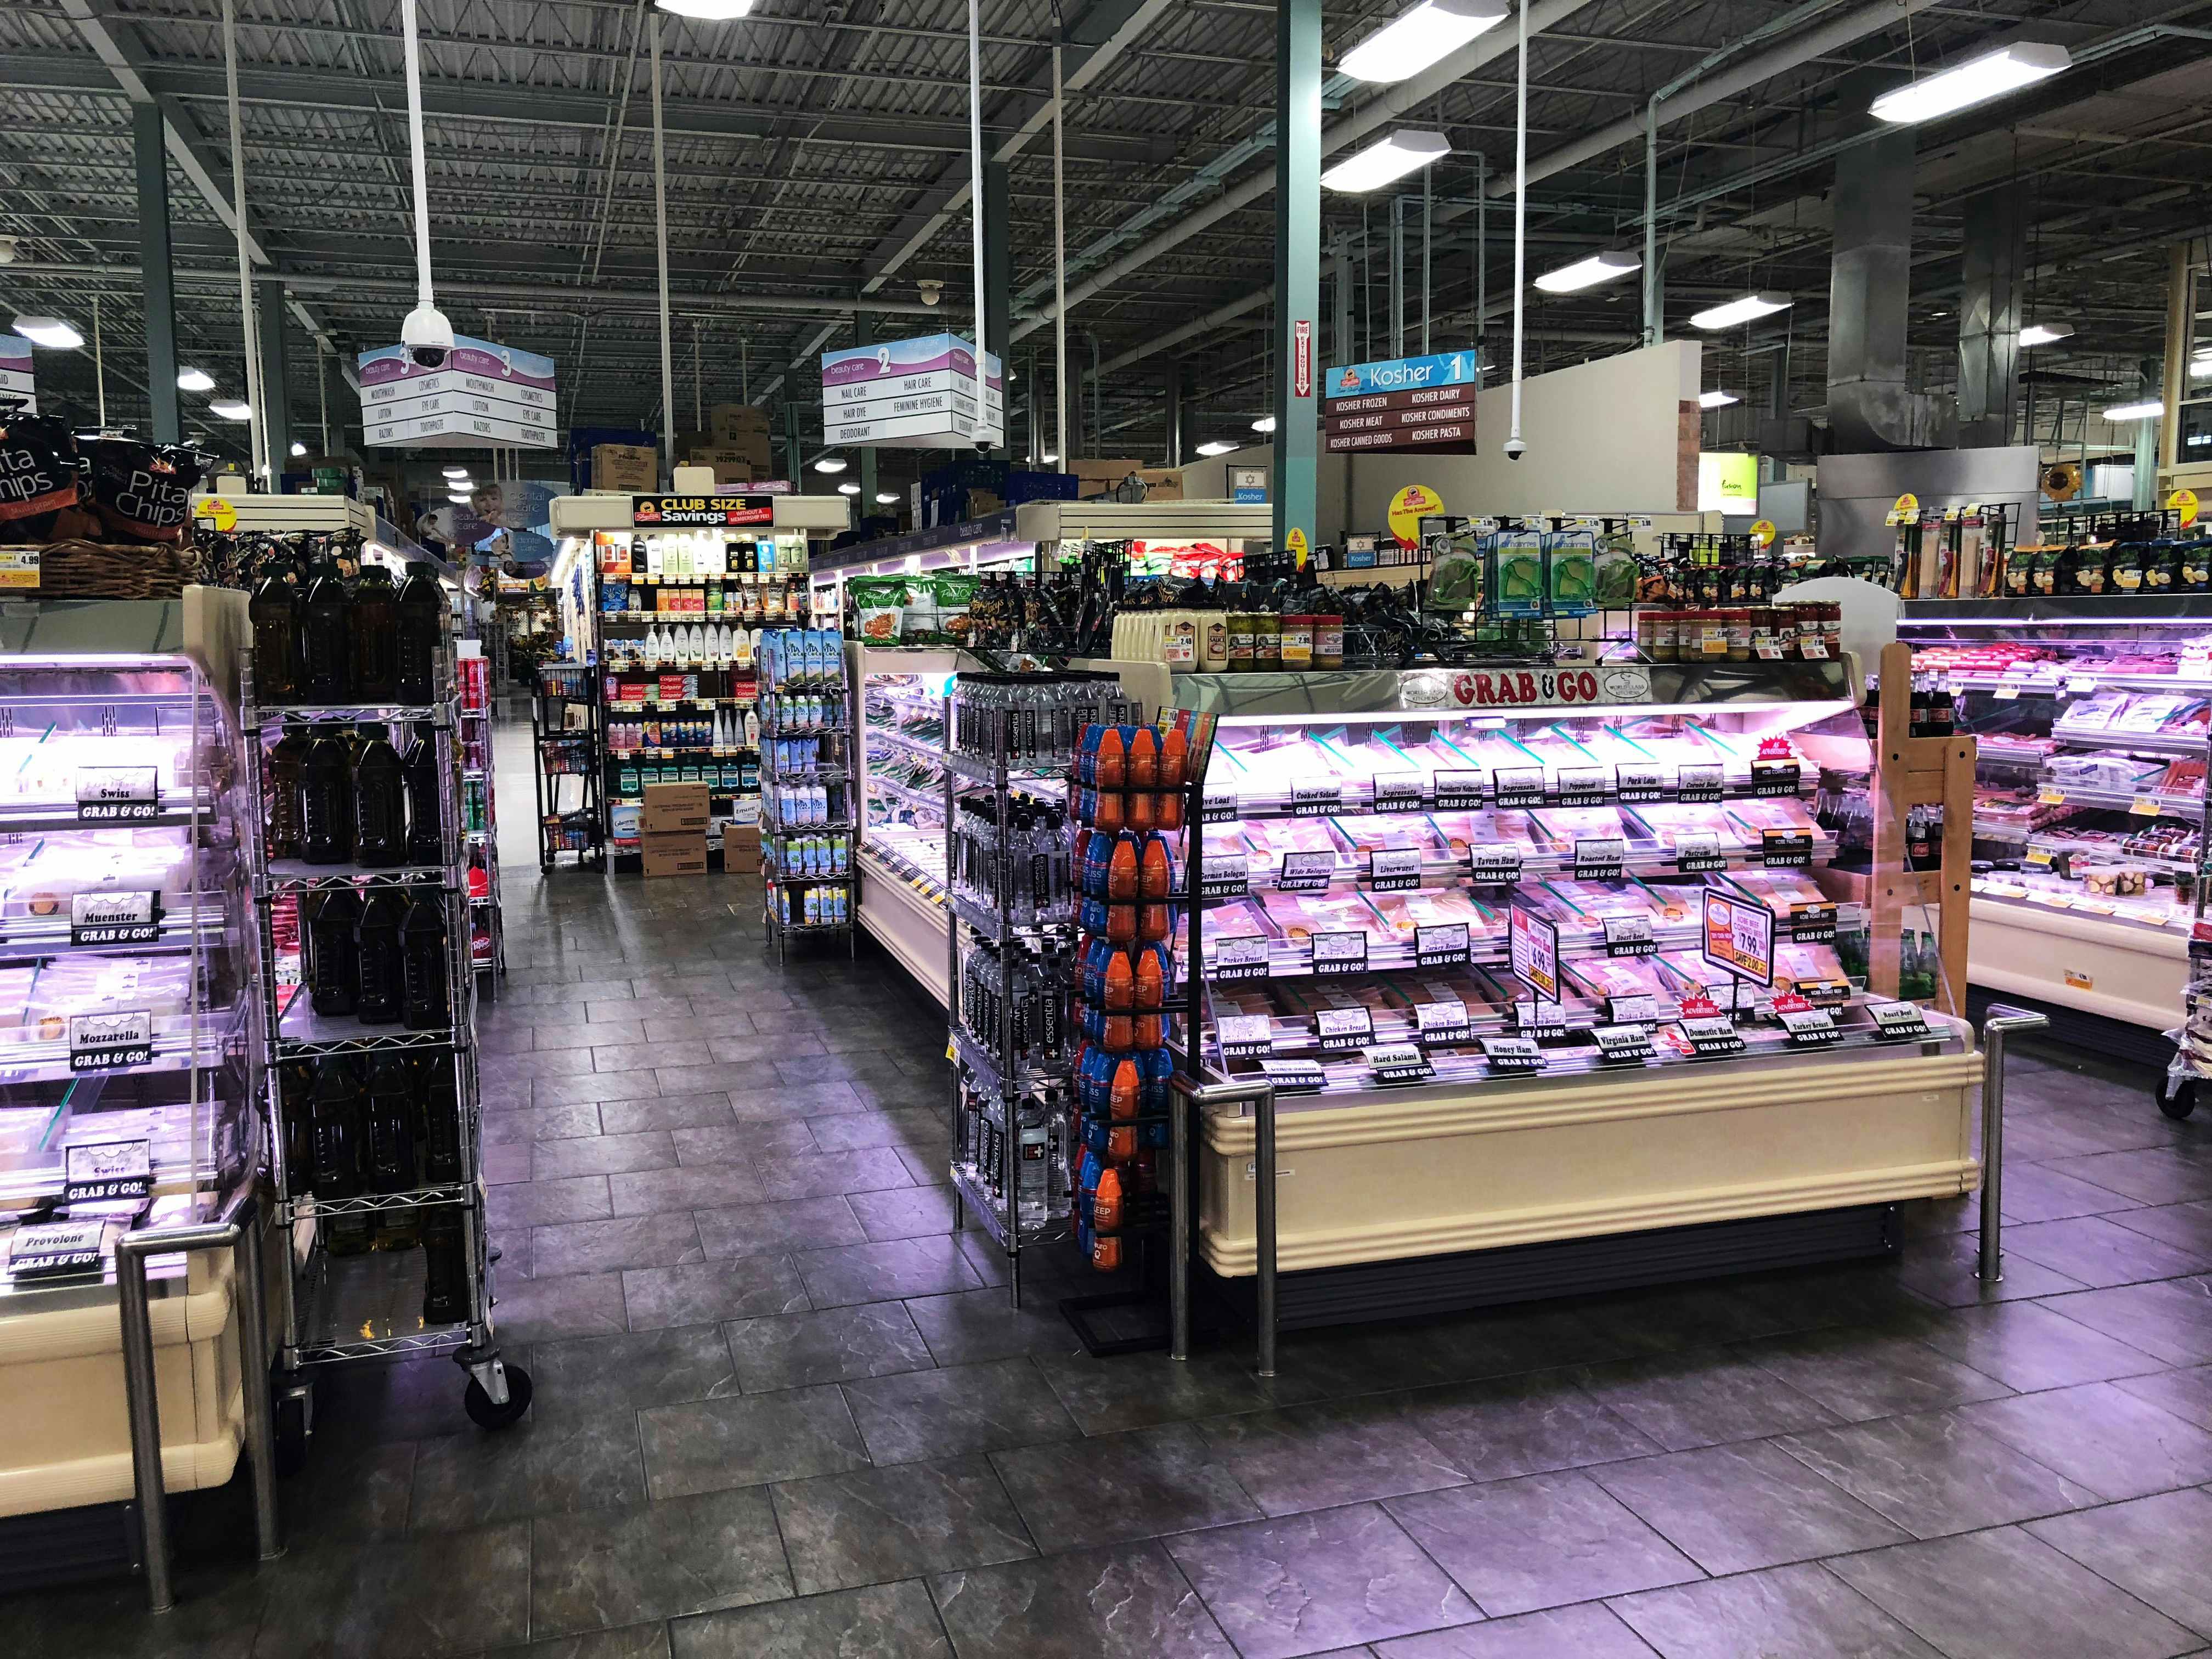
column 1535, row 957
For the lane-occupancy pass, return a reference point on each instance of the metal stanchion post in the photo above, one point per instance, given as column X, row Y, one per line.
column 1180, row 1109
column 1263, row 1204
column 145, row 1427
column 260, row 1428
column 2000, row 1022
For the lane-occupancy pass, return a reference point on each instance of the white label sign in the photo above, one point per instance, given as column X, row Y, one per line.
column 1340, row 953
column 1315, row 797
column 1443, row 1021
column 1240, row 958
column 1638, row 1007
column 50, row 1249
column 1398, row 1062
column 1306, row 872
column 1398, row 792
column 1629, row 936
column 1810, row 1026
column 117, row 795
column 1621, row 1044
column 1343, row 1028
column 1599, row 856
column 1512, row 1054
column 1293, row 1076
column 1494, row 864
column 105, row 1042
column 1441, row 944
column 1245, row 1035
column 108, row 1170
column 1394, row 870
column 1894, row 1022
column 113, row 918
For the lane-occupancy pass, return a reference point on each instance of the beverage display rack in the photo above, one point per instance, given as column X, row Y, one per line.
column 480, row 804
column 808, row 820
column 370, row 1302
column 567, row 828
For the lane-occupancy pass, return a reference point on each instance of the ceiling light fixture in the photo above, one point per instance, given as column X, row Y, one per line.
column 829, row 463
column 459, row 497
column 849, row 488
column 1404, row 47
column 886, row 498
column 298, row 448
column 1400, row 153
column 1265, row 424
column 1749, row 308
column 1217, row 447
column 707, row 11
column 231, row 409
column 2142, row 412
column 50, row 331
column 1974, row 82
column 2036, row 334
column 460, row 472
column 1717, row 399
column 195, row 379
column 1588, row 273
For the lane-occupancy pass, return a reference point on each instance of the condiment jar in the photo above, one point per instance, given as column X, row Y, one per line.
column 1328, row 642
column 1296, row 643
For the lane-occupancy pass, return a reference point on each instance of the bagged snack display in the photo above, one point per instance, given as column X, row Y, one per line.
column 142, row 491
column 38, row 474
column 878, row 608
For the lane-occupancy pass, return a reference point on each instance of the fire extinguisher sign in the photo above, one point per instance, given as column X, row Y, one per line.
column 1302, row 358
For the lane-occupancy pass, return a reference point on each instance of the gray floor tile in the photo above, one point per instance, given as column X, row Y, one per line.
column 540, row 1123
column 904, row 1212
column 1308, row 1583
column 931, row 1265
column 819, row 1175
column 2038, row 1192
column 553, row 1466
column 1804, row 1612
column 823, row 1097
column 975, row 1325
column 1588, row 1632
column 874, row 1525
column 992, row 1407
column 547, row 1203
column 507, row 1165
column 650, row 1191
column 2158, row 1549
column 1936, row 1473
column 849, row 1131
column 1731, row 1509
column 883, row 1621
column 1119, row 1487
column 597, row 1087
column 615, row 1567
column 1858, row 1374
column 778, row 1229
column 2025, row 1345
column 1125, row 1603
column 424, row 1598
column 620, row 1375
column 628, row 1117
column 832, row 1345
column 2097, row 1251
column 2161, row 1175
column 1946, row 1272
column 2003, row 1595
column 546, row 1310
column 2112, row 1442
column 1706, row 1397
column 2186, row 1226
column 748, row 1440
column 630, row 1642
column 1514, row 1426
column 629, row 1241
column 600, row 1155
column 1310, row 1457
column 2186, row 1394
column 710, row 1291
column 1135, row 1390
column 2171, row 1320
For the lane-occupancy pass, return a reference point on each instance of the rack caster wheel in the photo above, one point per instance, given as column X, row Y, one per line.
column 2178, row 1100
column 484, row 1414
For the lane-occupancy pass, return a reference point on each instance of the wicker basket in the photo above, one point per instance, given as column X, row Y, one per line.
column 110, row 570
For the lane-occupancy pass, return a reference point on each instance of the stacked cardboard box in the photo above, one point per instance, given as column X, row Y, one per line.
column 1096, row 479
column 629, row 467
column 736, row 434
column 673, row 830
column 741, row 849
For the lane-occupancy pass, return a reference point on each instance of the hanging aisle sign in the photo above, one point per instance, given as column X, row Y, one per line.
column 912, row 394
column 485, row 395
column 15, row 377
column 1403, row 403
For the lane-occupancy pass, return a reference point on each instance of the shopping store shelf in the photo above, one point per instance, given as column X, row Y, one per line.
column 2151, row 804
column 297, row 876
column 2129, row 911
column 2191, row 745
column 303, row 1034
column 2062, row 678
column 306, row 1205
column 975, row 769
column 2051, row 843
column 978, row 1060
column 1225, row 807
column 918, row 799
column 1646, row 862
column 48, row 1060
column 2182, row 610
column 921, row 746
column 348, row 714
column 369, row 1306
column 992, row 926
column 968, row 1183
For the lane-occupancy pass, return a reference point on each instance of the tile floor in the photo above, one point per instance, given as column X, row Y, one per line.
column 783, row 1410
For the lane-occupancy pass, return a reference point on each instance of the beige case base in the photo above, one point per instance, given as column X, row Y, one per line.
column 2115, row 968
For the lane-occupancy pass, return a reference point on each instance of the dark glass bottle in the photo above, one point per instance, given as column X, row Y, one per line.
column 280, row 810
column 379, row 802
column 326, row 637
column 325, row 802
column 275, row 612
column 445, row 1266
column 425, row 841
column 376, row 628
column 383, row 971
column 336, row 1103
column 295, row 1089
column 422, row 631
column 422, row 944
column 336, row 983
column 441, row 1120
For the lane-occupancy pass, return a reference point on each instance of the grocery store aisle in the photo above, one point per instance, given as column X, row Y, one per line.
column 783, row 1410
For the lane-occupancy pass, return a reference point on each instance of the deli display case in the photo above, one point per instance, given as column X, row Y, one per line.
column 1541, row 956
column 901, row 694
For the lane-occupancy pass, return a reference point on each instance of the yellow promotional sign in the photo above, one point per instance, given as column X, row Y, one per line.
column 2184, row 502
column 1295, row 540
column 1905, row 509
column 217, row 513
column 1763, row 532
column 1408, row 508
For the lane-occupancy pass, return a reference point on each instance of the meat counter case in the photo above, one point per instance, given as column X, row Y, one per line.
column 2091, row 717
column 1393, row 865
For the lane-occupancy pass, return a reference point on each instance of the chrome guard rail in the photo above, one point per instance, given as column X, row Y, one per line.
column 1261, row 1094
column 2000, row 1022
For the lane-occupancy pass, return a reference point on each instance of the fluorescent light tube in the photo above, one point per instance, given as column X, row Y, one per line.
column 1588, row 273
column 2142, row 412
column 707, row 11
column 50, row 331
column 458, row 497
column 1400, row 153
column 231, row 409
column 1765, row 303
column 829, row 463
column 886, row 498
column 1717, row 399
column 2036, row 334
column 299, row 448
column 1403, row 48
column 1217, row 447
column 459, row 474
column 195, row 379
column 1974, row 82
column 849, row 488
column 1265, row 424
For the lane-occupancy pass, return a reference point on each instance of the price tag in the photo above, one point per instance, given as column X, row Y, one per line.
column 1698, row 783
column 1898, row 1022
column 1698, row 852
column 1629, row 936
column 1582, row 786
column 54, row 1249
column 1738, row 937
column 1398, row 1063
column 1522, row 785
column 1306, row 872
column 1219, row 808
column 1494, row 865
column 1813, row 650
column 1316, row 798
column 1772, row 778
column 1240, row 958
column 1441, row 945
column 1512, row 1054
column 1460, row 791
column 104, row 1042
column 1226, row 884
column 1637, row 781
column 1441, row 1022
column 1636, row 1008
column 1813, row 924
column 1535, row 953
column 1810, row 1027
column 107, row 1172
column 117, row 795
column 1342, row 1030
column 1394, row 870
column 2039, row 856
column 2081, row 685
column 1294, row 1077
column 1785, row 850
column 2143, row 807
column 2050, row 797
column 1711, row 1035
column 1824, row 993
column 1623, row 1045
column 1244, row 1036
column 1539, row 1019
column 114, row 917
column 1340, row 953
column 1398, row 792
column 1599, row 858
column 2006, row 693
column 1770, row 651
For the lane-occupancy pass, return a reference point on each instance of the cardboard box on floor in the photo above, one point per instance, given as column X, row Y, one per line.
column 676, row 809
column 741, row 849
column 679, row 853
column 625, row 466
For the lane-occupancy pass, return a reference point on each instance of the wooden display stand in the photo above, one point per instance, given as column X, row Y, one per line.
column 1909, row 772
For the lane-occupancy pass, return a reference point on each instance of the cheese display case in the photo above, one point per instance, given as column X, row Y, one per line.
column 2093, row 732
column 1537, row 955
column 902, row 695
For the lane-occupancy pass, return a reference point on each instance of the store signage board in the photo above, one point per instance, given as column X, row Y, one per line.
column 1302, row 358
column 114, row 917
column 117, row 795
column 456, row 430
column 1441, row 1023
column 881, row 368
column 1738, row 937
column 946, row 431
column 1401, row 374
column 499, row 365
column 1629, row 936
column 107, row 1042
column 1637, row 1008
column 1539, row 1019
column 1598, row 684
column 668, row 511
column 893, row 360
column 1441, row 945
column 1247, row 485
column 107, row 1172
column 1535, row 953
column 1340, row 953
column 483, row 394
column 1492, row 863
column 1772, row 778
column 1225, row 884
column 1240, row 958
column 1512, row 1054
column 1398, row 1064
column 1813, row 924
column 1220, row 806
column 515, row 392
column 56, row 1249
column 401, row 410
column 882, row 388
column 1394, row 870
column 1306, row 872
column 909, row 406
column 1415, row 420
column 1444, row 438
column 17, row 378
column 1810, row 1028
column 1339, row 1031
column 1245, row 1037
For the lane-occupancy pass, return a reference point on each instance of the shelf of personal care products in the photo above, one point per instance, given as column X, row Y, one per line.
column 567, row 732
column 806, row 782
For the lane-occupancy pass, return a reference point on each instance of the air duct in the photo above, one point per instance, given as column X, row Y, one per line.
column 1990, row 298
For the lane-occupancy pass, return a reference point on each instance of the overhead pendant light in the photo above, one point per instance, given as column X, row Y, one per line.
column 2142, row 412
column 460, row 472
column 1404, row 47
column 1217, row 447
column 829, row 463
column 707, row 11
column 1049, row 461
column 1751, row 306
column 1588, row 273
column 1717, row 399
column 1974, row 82
column 1400, row 153
column 458, row 497
column 231, row 409
column 50, row 331
column 849, row 488
column 298, row 448
column 2036, row 334
column 195, row 379
column 1265, row 424
column 886, row 498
